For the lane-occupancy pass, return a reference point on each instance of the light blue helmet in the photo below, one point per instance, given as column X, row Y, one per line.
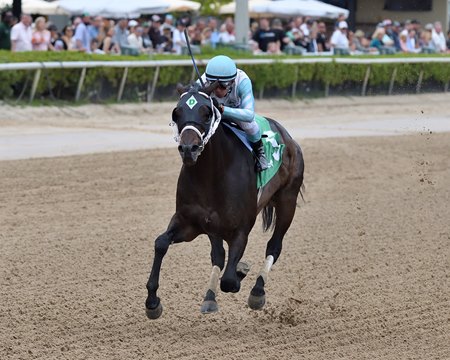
column 221, row 68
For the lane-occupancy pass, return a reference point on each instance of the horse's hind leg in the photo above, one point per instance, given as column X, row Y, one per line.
column 209, row 304
column 285, row 206
column 177, row 232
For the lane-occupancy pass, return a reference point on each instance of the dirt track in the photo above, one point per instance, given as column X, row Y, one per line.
column 364, row 273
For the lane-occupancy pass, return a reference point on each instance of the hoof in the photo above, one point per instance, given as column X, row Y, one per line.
column 209, row 307
column 155, row 313
column 256, row 302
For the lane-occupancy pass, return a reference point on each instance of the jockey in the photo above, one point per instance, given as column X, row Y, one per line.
column 236, row 102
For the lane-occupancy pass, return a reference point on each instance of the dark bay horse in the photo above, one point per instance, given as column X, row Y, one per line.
column 217, row 195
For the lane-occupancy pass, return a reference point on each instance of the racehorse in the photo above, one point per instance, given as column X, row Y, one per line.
column 217, row 195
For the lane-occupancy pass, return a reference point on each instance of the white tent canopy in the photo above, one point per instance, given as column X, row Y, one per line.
column 37, row 7
column 126, row 8
column 312, row 8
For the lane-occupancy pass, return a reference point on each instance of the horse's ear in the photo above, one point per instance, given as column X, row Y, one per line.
column 210, row 88
column 181, row 88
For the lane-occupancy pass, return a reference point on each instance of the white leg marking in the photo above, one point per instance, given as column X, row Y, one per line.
column 214, row 279
column 266, row 268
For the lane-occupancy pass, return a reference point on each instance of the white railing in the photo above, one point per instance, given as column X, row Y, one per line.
column 84, row 65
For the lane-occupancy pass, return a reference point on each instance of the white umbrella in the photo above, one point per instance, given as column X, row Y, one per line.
column 126, row 8
column 183, row 5
column 289, row 8
column 37, row 7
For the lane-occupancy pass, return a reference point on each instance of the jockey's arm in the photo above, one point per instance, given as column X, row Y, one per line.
column 246, row 112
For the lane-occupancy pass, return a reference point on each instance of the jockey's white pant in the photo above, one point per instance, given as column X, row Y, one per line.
column 251, row 129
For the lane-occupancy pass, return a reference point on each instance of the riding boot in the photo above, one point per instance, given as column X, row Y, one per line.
column 260, row 156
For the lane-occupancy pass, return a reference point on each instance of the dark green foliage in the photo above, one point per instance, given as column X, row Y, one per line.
column 101, row 84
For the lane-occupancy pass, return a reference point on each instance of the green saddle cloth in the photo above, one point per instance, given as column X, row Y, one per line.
column 273, row 148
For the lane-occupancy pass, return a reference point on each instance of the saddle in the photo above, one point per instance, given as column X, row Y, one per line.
column 273, row 147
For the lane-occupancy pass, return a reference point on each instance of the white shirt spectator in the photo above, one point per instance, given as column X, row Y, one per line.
column 339, row 40
column 136, row 41
column 439, row 41
column 21, row 35
column 226, row 38
column 305, row 30
column 179, row 40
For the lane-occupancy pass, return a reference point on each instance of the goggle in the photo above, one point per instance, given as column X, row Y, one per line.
column 222, row 84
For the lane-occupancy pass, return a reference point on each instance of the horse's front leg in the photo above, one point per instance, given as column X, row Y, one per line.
column 231, row 279
column 209, row 304
column 178, row 231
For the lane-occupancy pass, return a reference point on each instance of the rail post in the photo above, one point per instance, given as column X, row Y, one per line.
column 80, row 84
column 37, row 76
column 122, row 84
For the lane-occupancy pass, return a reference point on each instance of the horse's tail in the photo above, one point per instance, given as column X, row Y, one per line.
column 268, row 217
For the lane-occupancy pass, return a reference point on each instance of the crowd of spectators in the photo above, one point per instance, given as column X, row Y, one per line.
column 165, row 34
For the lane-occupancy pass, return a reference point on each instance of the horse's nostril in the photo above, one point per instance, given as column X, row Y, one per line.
column 194, row 148
column 180, row 149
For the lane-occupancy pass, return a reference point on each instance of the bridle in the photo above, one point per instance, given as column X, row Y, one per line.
column 215, row 119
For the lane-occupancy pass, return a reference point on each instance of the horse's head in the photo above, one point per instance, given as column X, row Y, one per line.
column 196, row 119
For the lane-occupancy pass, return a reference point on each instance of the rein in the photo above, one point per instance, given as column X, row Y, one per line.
column 215, row 121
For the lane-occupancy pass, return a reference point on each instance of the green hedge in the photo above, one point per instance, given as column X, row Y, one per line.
column 104, row 82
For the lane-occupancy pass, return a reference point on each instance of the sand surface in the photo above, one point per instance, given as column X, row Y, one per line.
column 364, row 272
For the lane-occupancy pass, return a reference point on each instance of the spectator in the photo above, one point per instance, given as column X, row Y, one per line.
column 132, row 24
column 68, row 39
column 395, row 34
column 135, row 40
column 298, row 22
column 377, row 38
column 341, row 18
column 339, row 38
column 264, row 35
column 109, row 46
column 312, row 44
column 280, row 34
column 155, row 32
column 206, row 37
column 21, row 34
column 41, row 38
column 273, row 48
column 297, row 38
column 167, row 45
column 425, row 39
column 146, row 37
column 121, row 34
column 82, row 36
column 227, row 36
column 403, row 42
column 195, row 35
column 322, row 38
column 212, row 24
column 5, row 30
column 412, row 45
column 95, row 47
column 97, row 29
column 55, row 38
column 359, row 43
column 388, row 39
column 306, row 27
column 179, row 39
column 438, row 37
column 168, row 23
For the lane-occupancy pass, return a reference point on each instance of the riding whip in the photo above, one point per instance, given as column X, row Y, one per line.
column 192, row 57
